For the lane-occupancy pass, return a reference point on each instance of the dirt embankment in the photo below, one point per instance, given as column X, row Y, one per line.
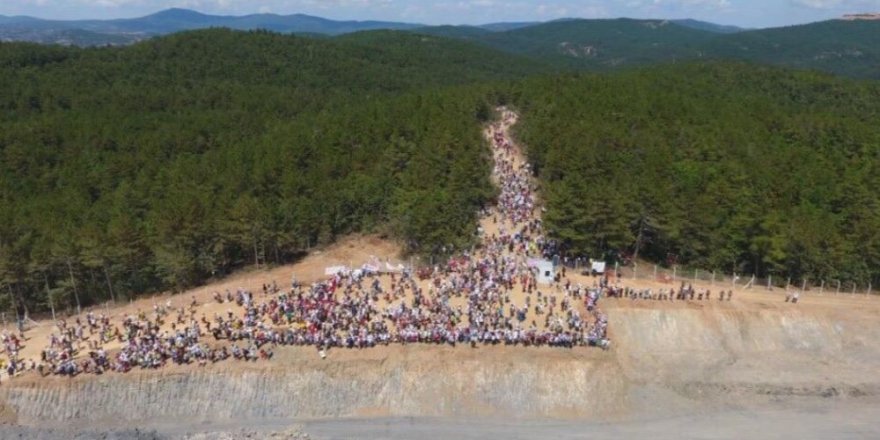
column 745, row 357
column 665, row 360
column 407, row 381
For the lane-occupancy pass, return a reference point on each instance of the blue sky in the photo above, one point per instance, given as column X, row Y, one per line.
column 749, row 13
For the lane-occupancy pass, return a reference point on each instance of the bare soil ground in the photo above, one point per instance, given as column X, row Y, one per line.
column 843, row 422
column 810, row 422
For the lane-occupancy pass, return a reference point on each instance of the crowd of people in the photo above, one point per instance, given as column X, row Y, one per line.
column 488, row 296
column 143, row 344
column 468, row 300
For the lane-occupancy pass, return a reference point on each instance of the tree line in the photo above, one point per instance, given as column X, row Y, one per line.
column 733, row 167
column 157, row 166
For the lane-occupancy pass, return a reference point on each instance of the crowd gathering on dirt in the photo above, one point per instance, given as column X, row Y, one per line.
column 488, row 296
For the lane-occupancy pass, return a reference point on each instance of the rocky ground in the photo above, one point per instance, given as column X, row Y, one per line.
column 13, row 432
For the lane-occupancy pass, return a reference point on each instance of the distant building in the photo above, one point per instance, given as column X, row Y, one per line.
column 865, row 16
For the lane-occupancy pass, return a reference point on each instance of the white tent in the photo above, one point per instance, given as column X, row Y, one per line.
column 546, row 271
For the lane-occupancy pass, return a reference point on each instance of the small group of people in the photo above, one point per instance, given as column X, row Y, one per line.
column 686, row 292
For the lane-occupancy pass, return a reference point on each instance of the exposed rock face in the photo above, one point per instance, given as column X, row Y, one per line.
column 401, row 388
column 662, row 360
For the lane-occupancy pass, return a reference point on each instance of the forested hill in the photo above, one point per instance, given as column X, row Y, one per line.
column 154, row 166
column 130, row 30
column 601, row 43
column 373, row 61
column 728, row 167
column 850, row 48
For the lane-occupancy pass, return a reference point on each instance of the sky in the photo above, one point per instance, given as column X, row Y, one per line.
column 745, row 13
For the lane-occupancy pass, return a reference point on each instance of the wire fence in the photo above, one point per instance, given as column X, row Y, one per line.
column 679, row 274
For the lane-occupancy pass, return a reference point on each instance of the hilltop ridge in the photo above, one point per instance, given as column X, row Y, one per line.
column 844, row 47
column 129, row 30
column 849, row 48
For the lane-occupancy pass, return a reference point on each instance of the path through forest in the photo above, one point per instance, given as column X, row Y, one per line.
column 512, row 157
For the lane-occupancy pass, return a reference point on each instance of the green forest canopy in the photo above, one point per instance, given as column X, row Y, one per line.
column 156, row 166
column 730, row 167
column 850, row 48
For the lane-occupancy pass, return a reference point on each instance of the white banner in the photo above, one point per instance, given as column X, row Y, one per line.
column 370, row 268
column 391, row 268
column 333, row 270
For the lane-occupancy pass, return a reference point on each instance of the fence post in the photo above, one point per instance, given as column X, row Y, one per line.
column 869, row 289
column 804, row 285
column 696, row 271
column 655, row 272
column 854, row 288
column 822, row 287
column 770, row 282
column 713, row 279
column 787, row 283
column 734, row 280
column 838, row 288
column 635, row 270
column 674, row 269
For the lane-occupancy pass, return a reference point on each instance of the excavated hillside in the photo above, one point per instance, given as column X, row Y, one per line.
column 666, row 359
column 749, row 355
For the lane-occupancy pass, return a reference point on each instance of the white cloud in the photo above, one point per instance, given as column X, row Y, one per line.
column 839, row 5
column 818, row 4
column 677, row 4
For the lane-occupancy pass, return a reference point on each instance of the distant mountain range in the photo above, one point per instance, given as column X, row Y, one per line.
column 843, row 47
column 121, row 31
column 846, row 47
column 125, row 31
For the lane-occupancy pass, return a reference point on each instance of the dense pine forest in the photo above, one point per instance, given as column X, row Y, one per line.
column 848, row 48
column 732, row 167
column 156, row 166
